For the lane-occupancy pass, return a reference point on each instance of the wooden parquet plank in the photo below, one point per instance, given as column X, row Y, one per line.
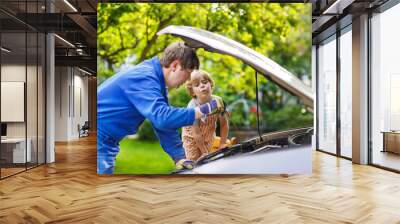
column 70, row 191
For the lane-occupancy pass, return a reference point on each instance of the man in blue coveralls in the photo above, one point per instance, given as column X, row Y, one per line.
column 129, row 97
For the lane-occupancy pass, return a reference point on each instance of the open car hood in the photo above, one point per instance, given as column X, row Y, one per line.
column 198, row 38
column 277, row 152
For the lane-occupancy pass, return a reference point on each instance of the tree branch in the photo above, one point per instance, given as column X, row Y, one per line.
column 109, row 55
column 153, row 39
column 121, row 39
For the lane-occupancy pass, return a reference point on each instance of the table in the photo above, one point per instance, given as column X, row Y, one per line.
column 15, row 148
column 391, row 141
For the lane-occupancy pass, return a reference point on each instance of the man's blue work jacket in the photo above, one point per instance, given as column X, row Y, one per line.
column 128, row 98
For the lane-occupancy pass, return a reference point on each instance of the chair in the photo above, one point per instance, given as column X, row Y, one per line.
column 84, row 130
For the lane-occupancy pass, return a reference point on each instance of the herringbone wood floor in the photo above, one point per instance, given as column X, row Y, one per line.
column 70, row 191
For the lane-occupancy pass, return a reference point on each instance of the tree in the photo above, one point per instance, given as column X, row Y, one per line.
column 282, row 32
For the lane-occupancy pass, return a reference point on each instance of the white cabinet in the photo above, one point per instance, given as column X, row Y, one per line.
column 18, row 149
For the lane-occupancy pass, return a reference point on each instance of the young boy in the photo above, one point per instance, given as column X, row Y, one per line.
column 198, row 139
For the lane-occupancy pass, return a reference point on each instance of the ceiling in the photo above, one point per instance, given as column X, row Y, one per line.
column 73, row 21
column 330, row 15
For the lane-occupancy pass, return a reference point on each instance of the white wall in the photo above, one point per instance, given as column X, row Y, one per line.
column 13, row 101
column 71, row 94
column 61, row 103
column 389, row 66
column 12, row 73
column 80, row 110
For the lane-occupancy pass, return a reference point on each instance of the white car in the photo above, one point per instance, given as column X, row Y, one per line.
column 269, row 153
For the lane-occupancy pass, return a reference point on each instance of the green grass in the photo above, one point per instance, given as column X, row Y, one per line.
column 142, row 157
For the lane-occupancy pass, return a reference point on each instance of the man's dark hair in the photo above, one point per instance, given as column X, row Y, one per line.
column 179, row 51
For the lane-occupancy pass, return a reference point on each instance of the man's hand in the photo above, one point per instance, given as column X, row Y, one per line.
column 213, row 107
column 184, row 164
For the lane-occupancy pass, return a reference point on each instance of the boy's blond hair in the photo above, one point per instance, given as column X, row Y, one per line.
column 195, row 78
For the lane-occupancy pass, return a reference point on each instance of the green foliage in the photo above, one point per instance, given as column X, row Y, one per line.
column 103, row 72
column 142, row 157
column 179, row 97
column 282, row 32
column 146, row 132
column 286, row 118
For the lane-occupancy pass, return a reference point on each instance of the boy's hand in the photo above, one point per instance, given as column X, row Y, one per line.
column 222, row 146
column 184, row 164
column 202, row 156
column 213, row 107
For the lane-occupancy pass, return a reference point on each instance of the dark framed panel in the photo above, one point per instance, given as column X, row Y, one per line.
column 340, row 28
column 326, row 73
column 333, row 33
column 344, row 102
column 23, row 146
column 383, row 77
